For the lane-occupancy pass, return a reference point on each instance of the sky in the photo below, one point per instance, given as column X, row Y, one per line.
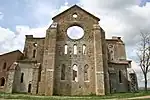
column 125, row 18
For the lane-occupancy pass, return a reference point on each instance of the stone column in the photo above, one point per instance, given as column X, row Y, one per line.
column 47, row 74
column 105, row 61
column 35, row 78
column 98, row 57
column 10, row 79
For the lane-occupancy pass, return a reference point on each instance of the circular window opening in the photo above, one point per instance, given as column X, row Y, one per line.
column 35, row 44
column 75, row 15
column 75, row 32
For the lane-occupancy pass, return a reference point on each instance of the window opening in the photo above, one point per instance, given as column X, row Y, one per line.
column 63, row 72
column 75, row 49
column 22, row 76
column 75, row 73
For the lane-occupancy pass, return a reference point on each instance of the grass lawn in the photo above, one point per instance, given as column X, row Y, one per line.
column 111, row 96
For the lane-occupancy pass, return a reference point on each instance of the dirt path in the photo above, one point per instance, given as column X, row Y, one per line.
column 142, row 97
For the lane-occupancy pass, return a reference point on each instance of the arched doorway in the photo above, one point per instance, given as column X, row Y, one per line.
column 29, row 88
column 2, row 81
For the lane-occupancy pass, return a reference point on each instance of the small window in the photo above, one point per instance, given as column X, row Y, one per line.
column 120, row 76
column 75, row 73
column 4, row 66
column 2, row 81
column 35, row 44
column 66, row 49
column 75, row 15
column 34, row 53
column 75, row 49
column 22, row 76
column 84, row 49
column 63, row 72
column 86, row 73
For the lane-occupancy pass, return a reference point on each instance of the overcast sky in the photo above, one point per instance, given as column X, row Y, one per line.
column 123, row 18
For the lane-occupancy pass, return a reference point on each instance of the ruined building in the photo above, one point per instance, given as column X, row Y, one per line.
column 60, row 64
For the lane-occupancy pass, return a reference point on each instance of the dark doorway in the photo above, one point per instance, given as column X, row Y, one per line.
column 2, row 80
column 29, row 88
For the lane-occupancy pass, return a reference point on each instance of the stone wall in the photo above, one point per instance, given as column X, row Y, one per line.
column 6, row 60
column 34, row 45
column 56, row 39
column 45, row 61
column 27, row 70
column 115, row 84
column 116, row 49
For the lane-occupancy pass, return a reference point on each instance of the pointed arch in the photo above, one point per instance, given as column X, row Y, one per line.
column 84, row 49
column 74, row 49
column 86, row 73
column 75, row 73
column 66, row 49
column 4, row 66
column 63, row 72
column 22, row 77
column 2, row 81
column 120, row 76
column 34, row 53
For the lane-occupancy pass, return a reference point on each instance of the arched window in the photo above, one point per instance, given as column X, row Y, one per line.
column 34, row 53
column 63, row 72
column 22, row 76
column 66, row 49
column 2, row 80
column 29, row 88
column 86, row 73
column 84, row 49
column 4, row 66
column 75, row 49
column 75, row 73
column 120, row 76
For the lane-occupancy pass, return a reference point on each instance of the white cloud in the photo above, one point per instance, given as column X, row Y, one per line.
column 135, row 66
column 44, row 10
column 10, row 41
column 122, row 18
column 5, row 33
column 26, row 30
column 6, row 39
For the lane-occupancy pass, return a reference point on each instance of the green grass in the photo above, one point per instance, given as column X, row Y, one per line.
column 111, row 96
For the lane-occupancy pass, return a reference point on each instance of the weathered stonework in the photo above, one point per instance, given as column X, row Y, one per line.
column 50, row 68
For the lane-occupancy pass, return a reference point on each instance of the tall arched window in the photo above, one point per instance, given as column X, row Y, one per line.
column 120, row 76
column 34, row 53
column 29, row 88
column 86, row 73
column 22, row 76
column 2, row 81
column 84, row 49
column 66, row 49
column 4, row 66
column 75, row 73
column 75, row 49
column 63, row 72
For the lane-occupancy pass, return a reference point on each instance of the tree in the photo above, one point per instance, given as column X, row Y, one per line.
column 144, row 54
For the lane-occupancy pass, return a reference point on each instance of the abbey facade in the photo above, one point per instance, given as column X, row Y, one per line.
column 60, row 65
